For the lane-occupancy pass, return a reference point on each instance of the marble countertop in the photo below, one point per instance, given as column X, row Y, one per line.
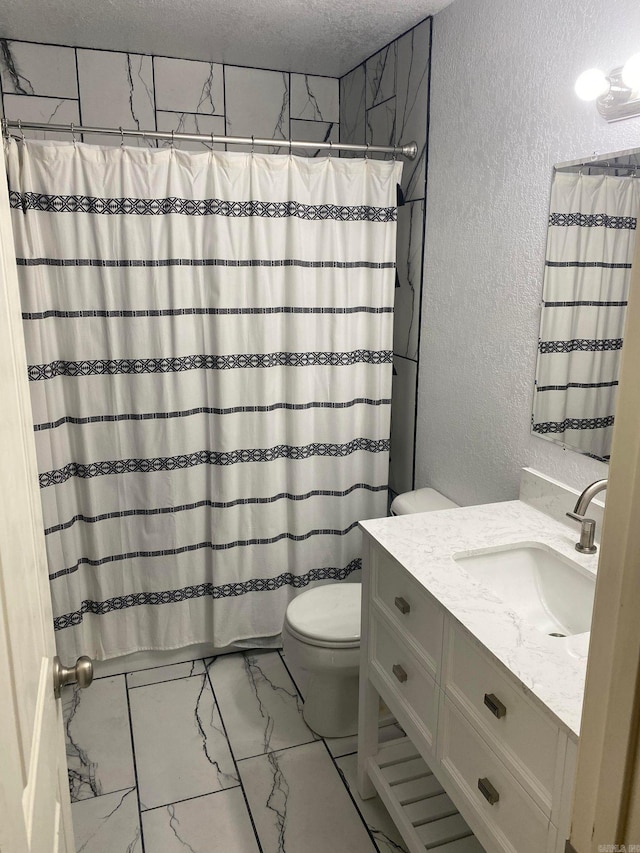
column 551, row 670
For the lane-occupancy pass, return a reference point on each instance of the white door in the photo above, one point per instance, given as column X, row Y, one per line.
column 35, row 813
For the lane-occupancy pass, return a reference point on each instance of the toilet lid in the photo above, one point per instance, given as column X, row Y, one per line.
column 330, row 612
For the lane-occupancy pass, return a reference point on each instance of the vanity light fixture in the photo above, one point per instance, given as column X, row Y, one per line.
column 617, row 95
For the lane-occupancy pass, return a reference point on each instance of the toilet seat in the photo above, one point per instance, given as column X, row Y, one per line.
column 327, row 616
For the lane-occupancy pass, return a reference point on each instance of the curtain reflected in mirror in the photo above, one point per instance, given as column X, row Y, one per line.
column 590, row 244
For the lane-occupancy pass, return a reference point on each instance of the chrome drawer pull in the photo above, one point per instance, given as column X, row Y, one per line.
column 399, row 673
column 488, row 791
column 495, row 705
column 403, row 605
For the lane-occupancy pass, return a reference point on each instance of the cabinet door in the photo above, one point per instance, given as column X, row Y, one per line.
column 403, row 681
column 411, row 609
column 524, row 737
column 495, row 805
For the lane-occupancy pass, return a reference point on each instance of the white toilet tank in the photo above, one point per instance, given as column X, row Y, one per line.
column 420, row 500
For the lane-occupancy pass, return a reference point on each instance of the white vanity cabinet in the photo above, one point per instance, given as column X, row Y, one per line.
column 480, row 754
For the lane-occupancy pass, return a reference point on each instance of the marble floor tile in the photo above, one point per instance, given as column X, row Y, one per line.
column 109, row 823
column 99, row 754
column 258, row 702
column 216, row 823
column 379, row 823
column 165, row 673
column 180, row 745
column 299, row 803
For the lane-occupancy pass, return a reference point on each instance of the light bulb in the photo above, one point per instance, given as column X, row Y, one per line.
column 591, row 84
column 631, row 72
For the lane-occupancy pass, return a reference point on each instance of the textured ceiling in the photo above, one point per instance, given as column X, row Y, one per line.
column 312, row 36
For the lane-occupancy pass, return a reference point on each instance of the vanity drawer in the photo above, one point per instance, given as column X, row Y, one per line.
column 409, row 607
column 527, row 741
column 404, row 679
column 514, row 823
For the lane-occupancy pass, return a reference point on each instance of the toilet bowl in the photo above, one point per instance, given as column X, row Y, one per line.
column 321, row 639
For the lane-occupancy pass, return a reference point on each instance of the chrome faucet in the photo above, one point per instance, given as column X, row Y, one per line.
column 587, row 525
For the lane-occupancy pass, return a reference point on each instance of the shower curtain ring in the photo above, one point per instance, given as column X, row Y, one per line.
column 20, row 129
column 212, row 142
column 366, row 151
column 121, row 136
column 172, row 139
column 253, row 145
column 73, row 135
column 330, row 148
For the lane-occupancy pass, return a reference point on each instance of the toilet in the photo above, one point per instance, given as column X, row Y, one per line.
column 321, row 638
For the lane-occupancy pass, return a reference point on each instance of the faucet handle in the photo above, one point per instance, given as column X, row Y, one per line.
column 575, row 516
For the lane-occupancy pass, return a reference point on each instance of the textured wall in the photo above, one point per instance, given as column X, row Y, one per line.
column 104, row 88
column 503, row 111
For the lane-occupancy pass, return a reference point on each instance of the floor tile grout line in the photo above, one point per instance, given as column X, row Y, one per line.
column 207, row 675
column 343, row 779
column 335, row 764
column 166, row 681
column 342, row 754
column 281, row 656
column 189, row 799
column 149, row 668
column 135, row 764
column 103, row 794
column 280, row 749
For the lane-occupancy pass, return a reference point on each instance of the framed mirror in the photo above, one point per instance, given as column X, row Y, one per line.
column 590, row 243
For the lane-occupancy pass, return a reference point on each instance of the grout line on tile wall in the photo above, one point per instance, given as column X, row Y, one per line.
column 424, row 242
column 224, row 103
column 380, row 103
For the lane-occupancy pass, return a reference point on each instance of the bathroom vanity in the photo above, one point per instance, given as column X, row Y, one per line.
column 456, row 644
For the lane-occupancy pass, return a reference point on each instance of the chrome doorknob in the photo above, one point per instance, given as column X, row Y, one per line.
column 82, row 672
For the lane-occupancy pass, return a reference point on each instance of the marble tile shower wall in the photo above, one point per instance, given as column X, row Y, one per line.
column 384, row 101
column 59, row 85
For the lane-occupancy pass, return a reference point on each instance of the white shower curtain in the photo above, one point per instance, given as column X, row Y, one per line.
column 592, row 227
column 209, row 342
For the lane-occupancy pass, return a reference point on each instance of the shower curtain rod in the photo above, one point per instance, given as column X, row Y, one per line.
column 409, row 151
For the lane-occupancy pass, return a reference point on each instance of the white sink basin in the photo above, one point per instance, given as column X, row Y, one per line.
column 549, row 591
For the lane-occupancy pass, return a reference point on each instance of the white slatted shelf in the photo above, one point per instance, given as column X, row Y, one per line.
column 422, row 811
